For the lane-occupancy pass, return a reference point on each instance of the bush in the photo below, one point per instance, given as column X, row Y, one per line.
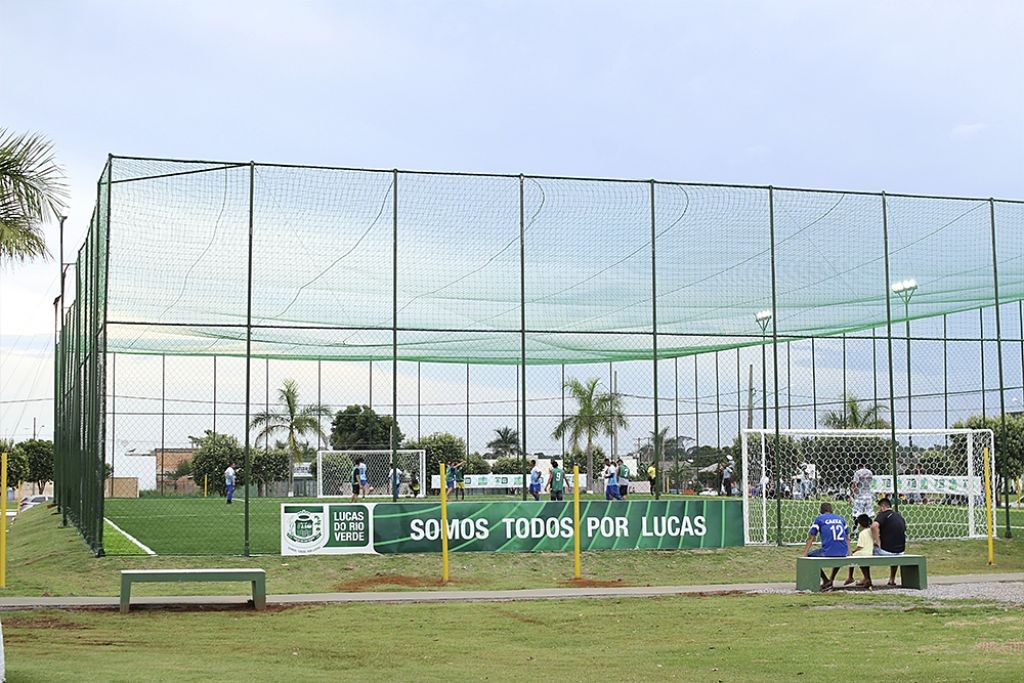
column 214, row 452
column 507, row 465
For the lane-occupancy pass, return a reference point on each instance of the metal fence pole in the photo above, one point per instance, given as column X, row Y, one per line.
column 658, row 447
column 945, row 373
column 888, row 336
column 814, row 384
column 696, row 404
column 392, row 475
column 248, row 361
column 718, row 405
column 215, row 394
column 163, row 419
column 522, row 329
column 113, row 419
column 999, row 357
column 775, row 368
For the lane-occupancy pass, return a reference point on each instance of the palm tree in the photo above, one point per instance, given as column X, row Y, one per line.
column 507, row 443
column 31, row 188
column 855, row 416
column 596, row 413
column 294, row 420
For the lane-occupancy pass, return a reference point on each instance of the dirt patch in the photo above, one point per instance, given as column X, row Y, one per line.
column 521, row 618
column 41, row 622
column 1009, row 647
column 594, row 583
column 379, row 580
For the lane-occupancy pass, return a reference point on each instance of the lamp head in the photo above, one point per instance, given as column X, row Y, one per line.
column 904, row 286
column 763, row 316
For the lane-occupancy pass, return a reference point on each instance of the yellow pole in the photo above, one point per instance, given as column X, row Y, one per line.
column 204, row 485
column 988, row 510
column 444, row 528
column 3, row 521
column 576, row 520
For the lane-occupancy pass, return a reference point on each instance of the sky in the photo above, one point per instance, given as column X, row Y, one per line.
column 906, row 97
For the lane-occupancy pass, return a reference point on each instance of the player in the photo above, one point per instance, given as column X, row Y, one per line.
column 229, row 481
column 611, row 481
column 623, row 476
column 860, row 491
column 535, row 479
column 727, row 475
column 652, row 474
column 414, row 485
column 358, row 479
column 449, row 478
column 556, row 482
column 396, row 475
column 833, row 532
column 460, row 480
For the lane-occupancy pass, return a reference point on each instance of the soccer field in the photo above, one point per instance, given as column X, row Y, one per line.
column 208, row 526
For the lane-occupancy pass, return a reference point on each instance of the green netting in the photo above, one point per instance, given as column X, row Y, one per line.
column 460, row 263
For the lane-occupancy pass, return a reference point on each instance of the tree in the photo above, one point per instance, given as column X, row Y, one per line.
column 293, row 420
column 855, row 416
column 578, row 457
column 183, row 469
column 214, row 452
column 39, row 456
column 440, row 447
column 596, row 413
column 507, row 442
column 477, row 465
column 17, row 468
column 31, row 189
column 360, row 427
column 507, row 465
column 270, row 466
column 1009, row 446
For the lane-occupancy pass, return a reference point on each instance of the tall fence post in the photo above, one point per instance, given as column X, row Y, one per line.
column 522, row 327
column 775, row 369
column 393, row 474
column 888, row 337
column 658, row 446
column 999, row 357
column 248, row 362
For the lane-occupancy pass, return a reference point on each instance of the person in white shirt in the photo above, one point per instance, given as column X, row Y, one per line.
column 611, row 481
column 860, row 492
column 229, row 481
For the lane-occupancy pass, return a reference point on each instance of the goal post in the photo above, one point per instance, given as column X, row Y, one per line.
column 334, row 472
column 938, row 479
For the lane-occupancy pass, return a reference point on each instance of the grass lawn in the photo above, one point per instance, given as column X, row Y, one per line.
column 198, row 526
column 45, row 559
column 832, row 637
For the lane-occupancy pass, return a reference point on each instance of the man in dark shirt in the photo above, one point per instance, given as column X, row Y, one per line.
column 890, row 533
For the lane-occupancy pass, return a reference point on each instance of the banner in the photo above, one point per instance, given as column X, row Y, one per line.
column 325, row 528
column 489, row 481
column 928, row 483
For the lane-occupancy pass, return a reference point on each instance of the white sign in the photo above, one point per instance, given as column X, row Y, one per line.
column 929, row 483
column 496, row 481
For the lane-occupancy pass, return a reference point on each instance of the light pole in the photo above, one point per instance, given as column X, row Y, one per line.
column 763, row 319
column 905, row 289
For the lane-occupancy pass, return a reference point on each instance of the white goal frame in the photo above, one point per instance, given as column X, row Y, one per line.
column 378, row 469
column 757, row 465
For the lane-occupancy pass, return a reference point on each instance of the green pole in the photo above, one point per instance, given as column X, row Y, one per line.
column 522, row 329
column 394, row 336
column 658, row 446
column 248, row 362
column 999, row 356
column 775, row 368
column 888, row 337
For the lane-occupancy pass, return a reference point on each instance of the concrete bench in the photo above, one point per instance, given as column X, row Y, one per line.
column 913, row 569
column 257, row 577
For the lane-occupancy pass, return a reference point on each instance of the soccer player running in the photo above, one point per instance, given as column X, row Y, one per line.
column 229, row 481
column 860, row 491
column 556, row 482
column 834, row 542
column 611, row 481
column 460, row 479
column 535, row 479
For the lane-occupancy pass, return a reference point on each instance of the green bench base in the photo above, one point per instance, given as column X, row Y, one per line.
column 913, row 569
column 257, row 577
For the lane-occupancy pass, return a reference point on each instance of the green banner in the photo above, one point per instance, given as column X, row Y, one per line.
column 501, row 526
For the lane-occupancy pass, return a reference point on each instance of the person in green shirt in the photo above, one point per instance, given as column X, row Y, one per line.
column 460, row 480
column 623, row 479
column 556, row 482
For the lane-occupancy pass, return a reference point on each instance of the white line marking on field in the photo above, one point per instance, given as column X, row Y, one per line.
column 146, row 549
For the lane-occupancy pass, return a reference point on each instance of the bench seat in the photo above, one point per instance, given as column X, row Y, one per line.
column 913, row 569
column 256, row 577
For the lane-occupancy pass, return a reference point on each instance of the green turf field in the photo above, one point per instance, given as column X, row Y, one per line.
column 199, row 526
column 832, row 637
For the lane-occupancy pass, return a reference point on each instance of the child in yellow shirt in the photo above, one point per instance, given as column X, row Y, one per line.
column 864, row 548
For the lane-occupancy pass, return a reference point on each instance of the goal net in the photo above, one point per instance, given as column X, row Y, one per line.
column 939, row 479
column 334, row 472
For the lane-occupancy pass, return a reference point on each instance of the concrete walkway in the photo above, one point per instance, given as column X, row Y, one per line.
column 71, row 602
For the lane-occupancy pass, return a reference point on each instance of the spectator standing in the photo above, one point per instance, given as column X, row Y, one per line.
column 229, row 481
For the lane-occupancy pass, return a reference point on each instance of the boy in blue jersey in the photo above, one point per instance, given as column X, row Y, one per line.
column 611, row 480
column 834, row 540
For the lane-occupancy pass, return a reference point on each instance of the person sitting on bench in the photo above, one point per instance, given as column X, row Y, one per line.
column 890, row 534
column 834, row 534
column 865, row 545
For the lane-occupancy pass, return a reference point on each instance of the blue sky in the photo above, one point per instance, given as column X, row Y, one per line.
column 909, row 96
